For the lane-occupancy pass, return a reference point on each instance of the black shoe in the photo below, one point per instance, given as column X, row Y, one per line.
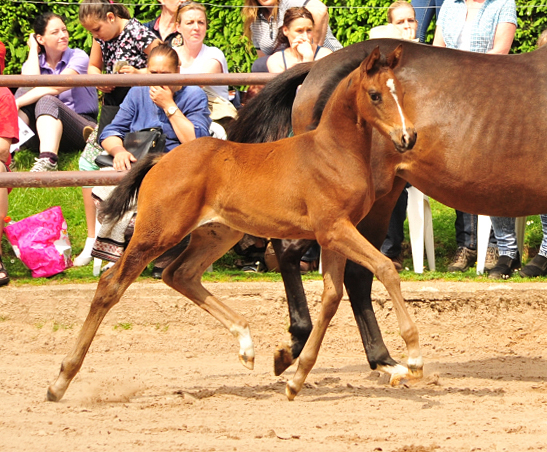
column 505, row 267
column 536, row 267
column 463, row 259
column 157, row 272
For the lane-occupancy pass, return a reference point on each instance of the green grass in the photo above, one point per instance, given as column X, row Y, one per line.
column 29, row 201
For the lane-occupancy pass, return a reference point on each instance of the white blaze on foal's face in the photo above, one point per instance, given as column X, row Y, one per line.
column 391, row 85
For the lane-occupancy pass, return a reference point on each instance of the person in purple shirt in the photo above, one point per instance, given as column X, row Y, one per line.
column 57, row 115
column 181, row 111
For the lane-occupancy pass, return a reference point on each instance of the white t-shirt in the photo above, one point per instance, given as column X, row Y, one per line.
column 205, row 54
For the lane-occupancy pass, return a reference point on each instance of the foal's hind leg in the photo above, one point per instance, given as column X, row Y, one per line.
column 111, row 287
column 333, row 279
column 288, row 253
column 208, row 243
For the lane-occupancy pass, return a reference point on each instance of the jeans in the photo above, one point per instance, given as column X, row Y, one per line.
column 543, row 247
column 424, row 13
column 466, row 231
column 395, row 233
column 504, row 229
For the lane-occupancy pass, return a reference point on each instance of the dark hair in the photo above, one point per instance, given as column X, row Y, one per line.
column 166, row 51
column 291, row 15
column 40, row 25
column 98, row 9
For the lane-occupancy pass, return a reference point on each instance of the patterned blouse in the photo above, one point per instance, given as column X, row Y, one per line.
column 483, row 28
column 128, row 46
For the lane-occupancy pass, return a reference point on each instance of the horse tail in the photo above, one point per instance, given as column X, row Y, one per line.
column 267, row 116
column 123, row 197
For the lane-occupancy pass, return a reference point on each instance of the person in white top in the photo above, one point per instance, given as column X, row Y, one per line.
column 196, row 57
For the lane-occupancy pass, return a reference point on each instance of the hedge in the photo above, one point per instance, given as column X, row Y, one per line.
column 350, row 21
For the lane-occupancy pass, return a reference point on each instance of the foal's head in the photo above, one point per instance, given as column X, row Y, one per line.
column 380, row 98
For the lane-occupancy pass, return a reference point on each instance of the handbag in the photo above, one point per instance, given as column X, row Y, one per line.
column 41, row 242
column 139, row 144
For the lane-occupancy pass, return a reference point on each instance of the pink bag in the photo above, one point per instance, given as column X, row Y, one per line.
column 41, row 242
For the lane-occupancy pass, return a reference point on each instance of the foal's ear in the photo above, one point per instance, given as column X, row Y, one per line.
column 370, row 62
column 394, row 57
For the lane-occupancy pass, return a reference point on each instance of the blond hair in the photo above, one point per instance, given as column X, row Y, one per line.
column 396, row 5
column 189, row 6
column 250, row 14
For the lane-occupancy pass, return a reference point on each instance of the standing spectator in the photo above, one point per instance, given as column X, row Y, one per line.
column 262, row 19
column 9, row 134
column 57, row 116
column 117, row 38
column 484, row 26
column 164, row 26
column 424, row 14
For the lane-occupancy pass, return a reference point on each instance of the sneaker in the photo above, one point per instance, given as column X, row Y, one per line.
column 492, row 256
column 505, row 267
column 536, row 267
column 463, row 259
column 88, row 130
column 43, row 164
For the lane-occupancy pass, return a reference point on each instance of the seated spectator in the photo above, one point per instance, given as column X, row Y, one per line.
column 295, row 41
column 181, row 112
column 9, row 134
column 117, row 39
column 57, row 115
column 198, row 58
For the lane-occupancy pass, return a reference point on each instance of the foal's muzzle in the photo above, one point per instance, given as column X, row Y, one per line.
column 404, row 139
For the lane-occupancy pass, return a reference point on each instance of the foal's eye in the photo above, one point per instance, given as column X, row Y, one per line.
column 375, row 97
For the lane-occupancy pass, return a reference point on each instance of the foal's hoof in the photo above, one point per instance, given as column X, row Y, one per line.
column 51, row 397
column 290, row 390
column 247, row 361
column 416, row 373
column 283, row 359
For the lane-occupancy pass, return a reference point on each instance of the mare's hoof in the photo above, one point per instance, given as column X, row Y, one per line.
column 52, row 397
column 283, row 359
column 290, row 391
column 247, row 361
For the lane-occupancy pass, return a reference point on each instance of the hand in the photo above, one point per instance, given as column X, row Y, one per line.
column 123, row 160
column 162, row 96
column 128, row 70
column 408, row 33
column 106, row 89
column 33, row 43
column 303, row 47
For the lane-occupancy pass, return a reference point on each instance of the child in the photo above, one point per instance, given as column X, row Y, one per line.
column 118, row 39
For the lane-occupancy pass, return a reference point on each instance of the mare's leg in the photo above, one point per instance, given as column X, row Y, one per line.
column 289, row 253
column 207, row 244
column 333, row 278
column 358, row 282
column 347, row 241
column 142, row 249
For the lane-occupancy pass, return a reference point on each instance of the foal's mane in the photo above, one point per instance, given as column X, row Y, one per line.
column 335, row 76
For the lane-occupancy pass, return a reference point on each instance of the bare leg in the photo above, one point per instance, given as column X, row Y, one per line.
column 207, row 244
column 50, row 131
column 333, row 278
column 90, row 211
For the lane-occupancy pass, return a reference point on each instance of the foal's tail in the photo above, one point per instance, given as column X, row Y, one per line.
column 125, row 194
column 267, row 116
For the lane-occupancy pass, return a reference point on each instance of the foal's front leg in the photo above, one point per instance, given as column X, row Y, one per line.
column 333, row 280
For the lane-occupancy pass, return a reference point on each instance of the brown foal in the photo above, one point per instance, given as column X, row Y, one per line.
column 317, row 185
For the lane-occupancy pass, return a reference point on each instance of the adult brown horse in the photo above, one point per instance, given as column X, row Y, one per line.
column 203, row 187
column 482, row 124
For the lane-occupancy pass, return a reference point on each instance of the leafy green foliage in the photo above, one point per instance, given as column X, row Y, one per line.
column 350, row 21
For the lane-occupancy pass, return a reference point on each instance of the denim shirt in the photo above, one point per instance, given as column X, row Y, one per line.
column 483, row 27
column 139, row 112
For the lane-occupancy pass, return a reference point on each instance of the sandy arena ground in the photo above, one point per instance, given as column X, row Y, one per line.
column 162, row 375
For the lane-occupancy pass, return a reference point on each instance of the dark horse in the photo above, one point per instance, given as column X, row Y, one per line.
column 202, row 187
column 482, row 127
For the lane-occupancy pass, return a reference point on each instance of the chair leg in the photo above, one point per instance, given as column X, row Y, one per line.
column 428, row 234
column 520, row 229
column 484, row 224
